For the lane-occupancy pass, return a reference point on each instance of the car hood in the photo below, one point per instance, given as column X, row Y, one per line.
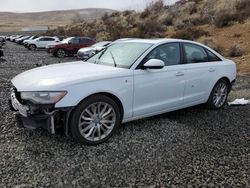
column 58, row 76
column 83, row 50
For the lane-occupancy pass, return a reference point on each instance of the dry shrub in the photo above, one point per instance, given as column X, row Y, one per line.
column 179, row 24
column 167, row 20
column 154, row 6
column 190, row 33
column 198, row 19
column 243, row 6
column 235, row 51
column 151, row 28
column 145, row 14
column 158, row 5
column 224, row 18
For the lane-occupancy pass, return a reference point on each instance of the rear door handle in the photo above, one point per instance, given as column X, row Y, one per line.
column 211, row 70
column 179, row 74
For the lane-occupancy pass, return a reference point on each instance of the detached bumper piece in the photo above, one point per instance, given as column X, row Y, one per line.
column 33, row 116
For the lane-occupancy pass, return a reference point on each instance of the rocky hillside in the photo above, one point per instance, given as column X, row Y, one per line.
column 15, row 21
column 219, row 24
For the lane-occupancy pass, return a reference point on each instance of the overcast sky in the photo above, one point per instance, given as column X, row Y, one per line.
column 45, row 5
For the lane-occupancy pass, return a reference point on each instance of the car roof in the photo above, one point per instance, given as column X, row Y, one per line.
column 153, row 41
column 165, row 40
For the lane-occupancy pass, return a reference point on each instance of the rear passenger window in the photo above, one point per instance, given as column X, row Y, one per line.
column 75, row 41
column 168, row 53
column 195, row 53
column 212, row 56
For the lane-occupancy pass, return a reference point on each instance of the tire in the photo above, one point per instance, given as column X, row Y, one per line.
column 60, row 53
column 32, row 47
column 219, row 95
column 91, row 126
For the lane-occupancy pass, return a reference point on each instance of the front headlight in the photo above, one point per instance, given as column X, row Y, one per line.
column 43, row 97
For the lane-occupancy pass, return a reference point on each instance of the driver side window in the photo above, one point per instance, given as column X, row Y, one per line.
column 168, row 53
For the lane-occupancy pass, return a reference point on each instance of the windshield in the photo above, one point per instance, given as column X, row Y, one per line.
column 122, row 54
column 67, row 40
column 100, row 44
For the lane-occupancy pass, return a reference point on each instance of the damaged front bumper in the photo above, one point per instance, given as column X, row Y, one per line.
column 33, row 116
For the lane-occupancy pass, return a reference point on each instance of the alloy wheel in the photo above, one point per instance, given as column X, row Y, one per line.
column 220, row 95
column 60, row 53
column 97, row 121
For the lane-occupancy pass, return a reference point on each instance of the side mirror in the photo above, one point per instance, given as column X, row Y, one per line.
column 69, row 42
column 154, row 64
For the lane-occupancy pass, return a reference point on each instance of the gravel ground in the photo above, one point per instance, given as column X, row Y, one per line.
column 187, row 148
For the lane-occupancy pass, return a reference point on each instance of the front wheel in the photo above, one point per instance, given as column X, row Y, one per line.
column 95, row 120
column 32, row 47
column 218, row 96
column 60, row 53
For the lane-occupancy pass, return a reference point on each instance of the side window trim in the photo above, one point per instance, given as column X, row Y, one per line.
column 181, row 54
column 185, row 56
column 207, row 50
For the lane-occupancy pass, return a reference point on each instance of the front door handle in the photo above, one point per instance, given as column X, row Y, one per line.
column 179, row 74
column 211, row 70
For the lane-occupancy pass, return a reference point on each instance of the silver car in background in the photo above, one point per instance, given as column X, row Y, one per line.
column 85, row 53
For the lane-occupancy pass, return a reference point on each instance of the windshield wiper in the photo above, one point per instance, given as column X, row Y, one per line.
column 115, row 65
column 102, row 52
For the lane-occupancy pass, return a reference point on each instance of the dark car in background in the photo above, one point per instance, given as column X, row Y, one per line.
column 17, row 37
column 85, row 53
column 69, row 46
column 2, row 40
column 20, row 40
column 1, row 51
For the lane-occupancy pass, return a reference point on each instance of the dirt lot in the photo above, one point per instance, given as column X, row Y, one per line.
column 192, row 147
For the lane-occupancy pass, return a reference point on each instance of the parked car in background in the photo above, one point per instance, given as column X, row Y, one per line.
column 85, row 53
column 41, row 42
column 20, row 40
column 69, row 46
column 12, row 37
column 16, row 37
column 2, row 40
column 129, row 80
column 1, row 51
column 26, row 42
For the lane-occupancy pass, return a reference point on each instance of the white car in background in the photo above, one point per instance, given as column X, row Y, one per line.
column 128, row 80
column 41, row 42
column 25, row 42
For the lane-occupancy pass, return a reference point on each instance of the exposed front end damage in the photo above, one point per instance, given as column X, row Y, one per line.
column 32, row 116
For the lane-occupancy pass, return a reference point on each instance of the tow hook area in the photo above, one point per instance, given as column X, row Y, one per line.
column 52, row 121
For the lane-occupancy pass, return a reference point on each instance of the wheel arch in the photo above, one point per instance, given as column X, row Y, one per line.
column 212, row 87
column 33, row 44
column 110, row 95
column 227, row 80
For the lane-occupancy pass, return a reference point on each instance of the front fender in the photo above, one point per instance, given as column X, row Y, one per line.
column 122, row 88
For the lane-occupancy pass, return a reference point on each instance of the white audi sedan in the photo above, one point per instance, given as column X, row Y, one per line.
column 128, row 80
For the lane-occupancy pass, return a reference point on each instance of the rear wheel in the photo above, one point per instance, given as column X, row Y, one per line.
column 219, row 94
column 32, row 47
column 95, row 120
column 60, row 53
